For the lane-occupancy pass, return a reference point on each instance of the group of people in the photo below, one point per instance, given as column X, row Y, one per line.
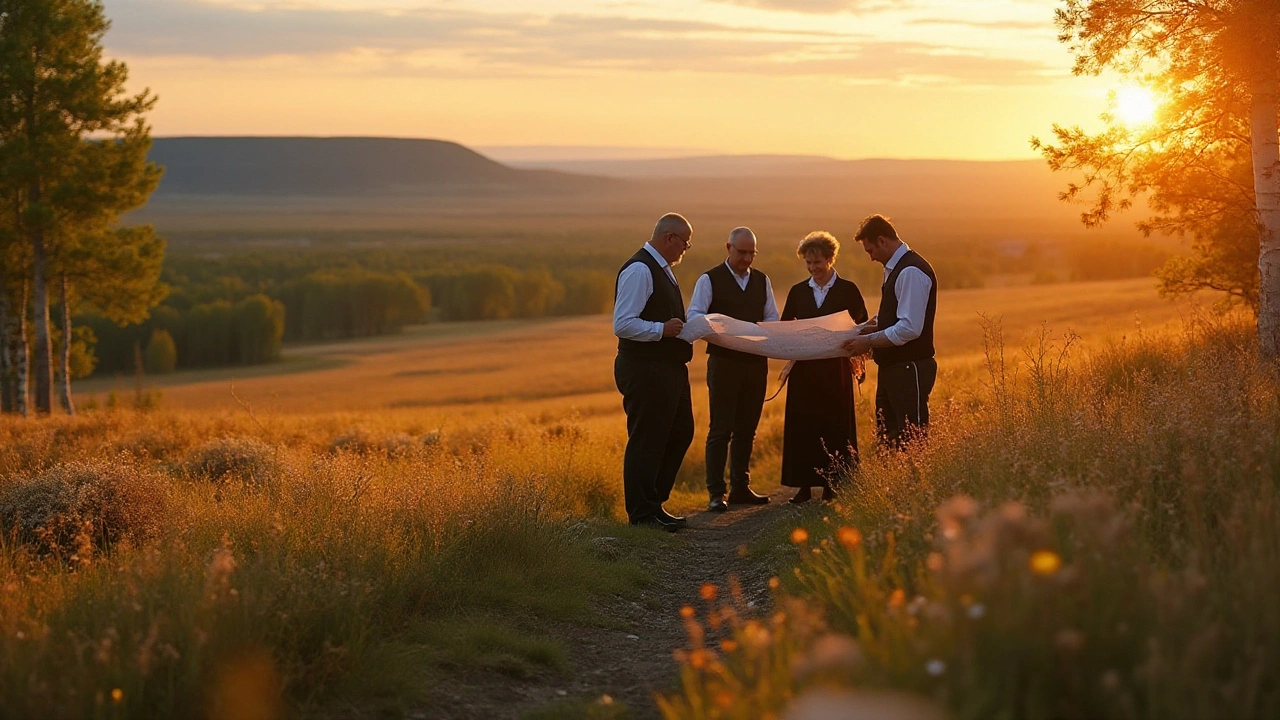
column 820, row 443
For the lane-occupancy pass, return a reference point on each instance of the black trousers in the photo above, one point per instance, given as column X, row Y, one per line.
column 902, row 399
column 737, row 387
column 655, row 397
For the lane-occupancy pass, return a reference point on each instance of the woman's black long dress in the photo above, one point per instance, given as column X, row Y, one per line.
column 820, row 429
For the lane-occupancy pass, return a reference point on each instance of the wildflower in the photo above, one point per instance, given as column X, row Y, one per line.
column 954, row 514
column 729, row 645
column 686, row 612
column 976, row 610
column 849, row 537
column 708, row 592
column 699, row 658
column 822, row 704
column 1111, row 680
column 935, row 667
column 774, row 583
column 830, row 653
column 799, row 536
column 117, row 695
column 897, row 599
column 934, row 562
column 1069, row 640
column 1045, row 562
column 606, row 699
column 724, row 699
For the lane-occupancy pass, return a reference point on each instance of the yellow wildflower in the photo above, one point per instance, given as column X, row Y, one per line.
column 1045, row 562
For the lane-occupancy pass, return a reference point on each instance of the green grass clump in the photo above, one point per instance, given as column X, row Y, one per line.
column 1093, row 538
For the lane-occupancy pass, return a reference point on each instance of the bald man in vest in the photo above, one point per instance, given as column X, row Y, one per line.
column 652, row 372
column 736, row 381
column 900, row 337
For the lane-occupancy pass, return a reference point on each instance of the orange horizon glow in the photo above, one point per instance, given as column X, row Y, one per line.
column 967, row 79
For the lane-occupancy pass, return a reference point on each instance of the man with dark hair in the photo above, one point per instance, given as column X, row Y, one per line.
column 652, row 372
column 736, row 381
column 900, row 337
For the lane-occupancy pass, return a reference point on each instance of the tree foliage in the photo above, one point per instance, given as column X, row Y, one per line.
column 73, row 160
column 1193, row 164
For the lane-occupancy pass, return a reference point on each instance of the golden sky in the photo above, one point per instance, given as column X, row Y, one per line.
column 845, row 78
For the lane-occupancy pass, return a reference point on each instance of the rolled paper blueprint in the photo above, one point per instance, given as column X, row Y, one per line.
column 811, row 339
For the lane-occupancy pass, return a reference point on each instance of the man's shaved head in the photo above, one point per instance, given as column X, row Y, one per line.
column 740, row 235
column 671, row 223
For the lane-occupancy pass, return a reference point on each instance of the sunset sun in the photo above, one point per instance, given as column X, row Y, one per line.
column 1135, row 106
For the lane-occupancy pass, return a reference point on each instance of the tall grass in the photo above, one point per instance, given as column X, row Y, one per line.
column 1089, row 537
column 168, row 565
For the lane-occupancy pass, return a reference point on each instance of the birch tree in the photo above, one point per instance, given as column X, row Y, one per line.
column 1209, row 164
column 73, row 143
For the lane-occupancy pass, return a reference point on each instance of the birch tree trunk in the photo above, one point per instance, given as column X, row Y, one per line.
column 1264, row 111
column 22, row 358
column 43, row 361
column 8, row 373
column 64, row 360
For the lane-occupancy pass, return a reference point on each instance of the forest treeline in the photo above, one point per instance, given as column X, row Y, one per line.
column 218, row 320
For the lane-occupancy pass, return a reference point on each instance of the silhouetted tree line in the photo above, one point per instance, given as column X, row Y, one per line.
column 351, row 303
column 498, row 293
column 220, row 333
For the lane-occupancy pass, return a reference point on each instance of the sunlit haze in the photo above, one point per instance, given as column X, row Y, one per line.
column 1135, row 106
column 845, row 78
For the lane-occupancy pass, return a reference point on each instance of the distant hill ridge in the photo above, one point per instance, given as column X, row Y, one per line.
column 313, row 166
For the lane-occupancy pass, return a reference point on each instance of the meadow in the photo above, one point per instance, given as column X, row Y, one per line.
column 382, row 526
column 1093, row 535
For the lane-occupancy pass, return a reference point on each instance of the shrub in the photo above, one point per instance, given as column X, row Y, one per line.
column 161, row 355
column 78, row 505
column 240, row 458
column 363, row 442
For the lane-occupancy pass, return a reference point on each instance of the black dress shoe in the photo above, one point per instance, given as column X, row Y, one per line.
column 665, row 516
column 653, row 521
column 803, row 495
column 746, row 496
column 828, row 494
column 717, row 504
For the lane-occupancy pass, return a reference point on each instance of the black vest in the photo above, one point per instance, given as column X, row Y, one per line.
column 664, row 304
column 728, row 298
column 922, row 347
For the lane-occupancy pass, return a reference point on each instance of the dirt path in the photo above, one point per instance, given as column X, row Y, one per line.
column 632, row 663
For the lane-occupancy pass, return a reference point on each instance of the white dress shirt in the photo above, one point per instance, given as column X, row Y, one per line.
column 820, row 291
column 701, row 299
column 912, row 290
column 635, row 285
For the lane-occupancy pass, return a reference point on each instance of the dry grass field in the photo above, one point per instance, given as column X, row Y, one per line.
column 376, row 527
column 453, row 377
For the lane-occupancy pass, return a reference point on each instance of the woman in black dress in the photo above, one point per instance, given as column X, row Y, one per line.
column 820, row 438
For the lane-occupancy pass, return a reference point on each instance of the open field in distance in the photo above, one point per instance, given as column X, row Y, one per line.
column 551, row 365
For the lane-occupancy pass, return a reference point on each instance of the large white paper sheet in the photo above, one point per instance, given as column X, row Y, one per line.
column 811, row 339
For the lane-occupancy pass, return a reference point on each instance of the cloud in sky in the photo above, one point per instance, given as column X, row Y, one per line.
column 429, row 41
column 819, row 7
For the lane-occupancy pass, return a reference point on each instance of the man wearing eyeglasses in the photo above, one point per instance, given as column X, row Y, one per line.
column 736, row 381
column 652, row 372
